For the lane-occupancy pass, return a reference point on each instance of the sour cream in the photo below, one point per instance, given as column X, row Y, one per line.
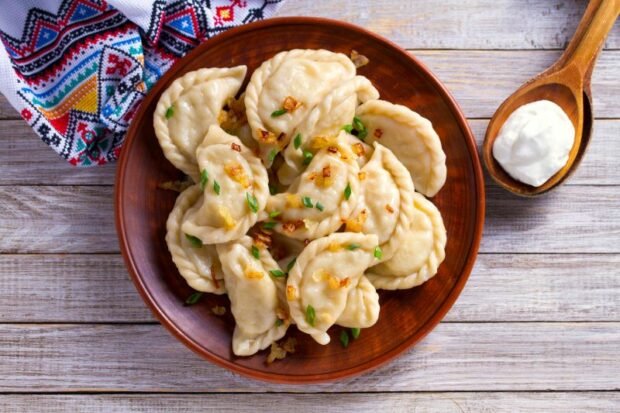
column 534, row 142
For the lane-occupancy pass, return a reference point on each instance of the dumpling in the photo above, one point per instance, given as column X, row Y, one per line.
column 197, row 263
column 257, row 299
column 319, row 284
column 412, row 137
column 235, row 187
column 188, row 108
column 318, row 201
column 326, row 119
column 386, row 204
column 285, row 88
column 362, row 308
column 420, row 253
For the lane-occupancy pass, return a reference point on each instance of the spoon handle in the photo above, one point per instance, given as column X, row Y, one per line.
column 590, row 35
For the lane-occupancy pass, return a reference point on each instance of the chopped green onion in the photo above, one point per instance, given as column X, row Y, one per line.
column 272, row 155
column 347, row 128
column 357, row 124
column 170, row 112
column 352, row 247
column 310, row 315
column 307, row 201
column 252, row 202
column 195, row 241
column 297, row 141
column 279, row 322
column 193, row 298
column 269, row 225
column 272, row 189
column 278, row 112
column 319, row 206
column 347, row 192
column 274, row 214
column 289, row 266
column 362, row 134
column 344, row 338
column 355, row 332
column 216, row 187
column 255, row 252
column 204, row 179
column 307, row 157
column 378, row 253
column 277, row 273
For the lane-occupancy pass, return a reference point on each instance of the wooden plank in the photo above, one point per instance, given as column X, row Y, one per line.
column 20, row 148
column 454, row 357
column 586, row 402
column 74, row 219
column 453, row 24
column 502, row 287
column 26, row 160
column 68, row 288
column 69, row 219
column 569, row 219
column 481, row 80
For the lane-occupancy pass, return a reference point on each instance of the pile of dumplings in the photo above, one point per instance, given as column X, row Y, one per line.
column 308, row 194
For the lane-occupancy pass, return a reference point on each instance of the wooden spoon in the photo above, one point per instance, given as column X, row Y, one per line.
column 567, row 83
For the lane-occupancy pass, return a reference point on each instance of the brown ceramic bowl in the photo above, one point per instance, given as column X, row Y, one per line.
column 406, row 316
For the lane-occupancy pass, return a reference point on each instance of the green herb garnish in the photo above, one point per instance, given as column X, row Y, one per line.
column 204, row 179
column 269, row 225
column 307, row 157
column 347, row 192
column 355, row 332
column 193, row 298
column 272, row 190
column 274, row 214
column 362, row 134
column 378, row 253
column 347, row 128
column 277, row 273
column 319, row 206
column 252, row 202
column 279, row 322
column 344, row 338
column 297, row 141
column 307, row 201
column 357, row 124
column 195, row 241
column 278, row 112
column 170, row 112
column 290, row 264
column 310, row 315
column 272, row 155
column 255, row 252
column 353, row 247
column 216, row 187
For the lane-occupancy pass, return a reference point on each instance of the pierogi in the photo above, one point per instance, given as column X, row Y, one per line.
column 304, row 200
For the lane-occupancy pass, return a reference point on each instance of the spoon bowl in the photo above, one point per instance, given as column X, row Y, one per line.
column 566, row 83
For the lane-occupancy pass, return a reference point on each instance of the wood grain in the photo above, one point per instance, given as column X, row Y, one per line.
column 19, row 146
column 502, row 288
column 498, row 74
column 584, row 402
column 26, row 160
column 78, row 219
column 57, row 219
column 489, row 24
column 454, row 357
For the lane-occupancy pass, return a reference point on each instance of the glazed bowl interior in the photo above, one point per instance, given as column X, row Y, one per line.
column 406, row 316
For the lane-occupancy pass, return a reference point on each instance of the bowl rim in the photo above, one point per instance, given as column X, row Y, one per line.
column 347, row 372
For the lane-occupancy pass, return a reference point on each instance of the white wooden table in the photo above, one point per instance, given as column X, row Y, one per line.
column 536, row 328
